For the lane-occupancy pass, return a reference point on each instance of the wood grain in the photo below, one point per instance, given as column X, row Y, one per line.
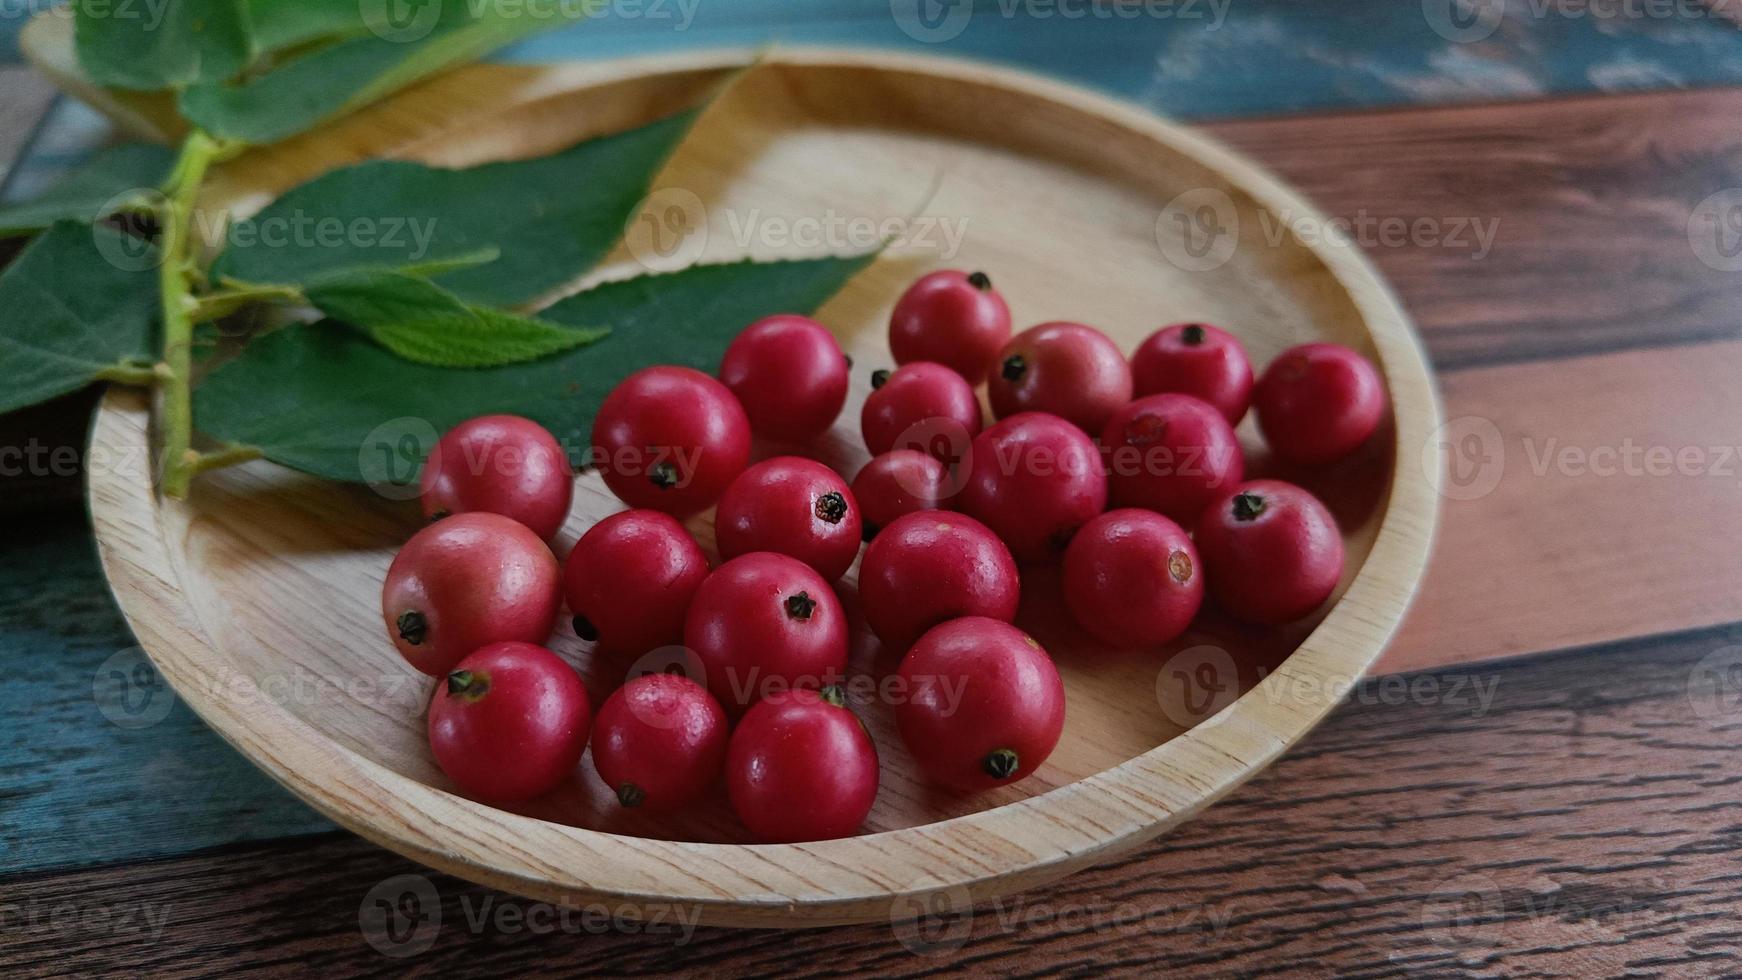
column 1589, row 199
column 1589, row 326
column 264, row 576
column 1421, row 834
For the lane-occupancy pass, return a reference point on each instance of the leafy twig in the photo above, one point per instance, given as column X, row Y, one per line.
column 180, row 460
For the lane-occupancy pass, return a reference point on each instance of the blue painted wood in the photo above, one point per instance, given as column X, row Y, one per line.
column 100, row 761
column 1220, row 58
column 87, row 775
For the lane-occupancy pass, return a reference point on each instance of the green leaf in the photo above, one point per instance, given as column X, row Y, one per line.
column 441, row 267
column 116, row 180
column 323, row 399
column 553, row 218
column 420, row 321
column 280, row 24
column 411, row 41
column 161, row 44
column 72, row 316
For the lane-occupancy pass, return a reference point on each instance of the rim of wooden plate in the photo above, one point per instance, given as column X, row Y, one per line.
column 892, row 875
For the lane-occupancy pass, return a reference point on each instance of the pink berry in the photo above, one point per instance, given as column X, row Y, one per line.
column 898, row 483
column 1317, row 403
column 923, row 406
column 1132, row 579
column 660, row 742
column 1172, row 454
column 928, row 568
column 986, row 706
column 791, row 506
column 1036, row 479
column 955, row 319
column 502, row 464
column 1199, row 360
column 630, row 580
column 789, row 374
column 801, row 767
column 1064, row 369
column 670, row 439
column 466, row 582
column 765, row 622
column 1272, row 552
column 509, row 723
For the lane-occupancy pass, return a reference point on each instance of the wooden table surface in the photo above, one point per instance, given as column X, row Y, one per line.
column 1539, row 782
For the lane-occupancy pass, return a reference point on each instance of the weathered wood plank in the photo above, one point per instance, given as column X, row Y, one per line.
column 104, row 761
column 1421, row 830
column 1586, row 205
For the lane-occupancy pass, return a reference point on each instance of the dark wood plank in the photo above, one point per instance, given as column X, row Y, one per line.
column 1565, row 815
column 1588, row 202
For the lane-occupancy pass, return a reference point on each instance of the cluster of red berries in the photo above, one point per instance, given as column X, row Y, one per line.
column 950, row 508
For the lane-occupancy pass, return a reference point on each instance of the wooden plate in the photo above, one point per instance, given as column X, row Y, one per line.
column 258, row 599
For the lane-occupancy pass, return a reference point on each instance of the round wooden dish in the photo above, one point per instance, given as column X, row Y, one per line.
column 258, row 599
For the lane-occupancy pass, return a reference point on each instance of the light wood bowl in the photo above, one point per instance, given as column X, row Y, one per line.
column 258, row 598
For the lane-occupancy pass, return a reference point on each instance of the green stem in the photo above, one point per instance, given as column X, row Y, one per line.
column 198, row 152
column 235, row 296
column 217, row 459
column 129, row 374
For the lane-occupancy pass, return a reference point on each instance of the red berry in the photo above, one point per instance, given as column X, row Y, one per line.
column 1035, row 479
column 1132, row 579
column 898, row 483
column 764, row 622
column 953, row 318
column 670, row 439
column 660, row 742
column 1272, row 553
column 1065, row 369
column 467, row 582
column 509, row 723
column 630, row 581
column 925, row 569
column 1172, row 454
column 984, row 704
column 1318, row 403
column 502, row 464
column 921, row 406
column 1199, row 360
column 795, row 507
column 789, row 374
column 801, row 768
